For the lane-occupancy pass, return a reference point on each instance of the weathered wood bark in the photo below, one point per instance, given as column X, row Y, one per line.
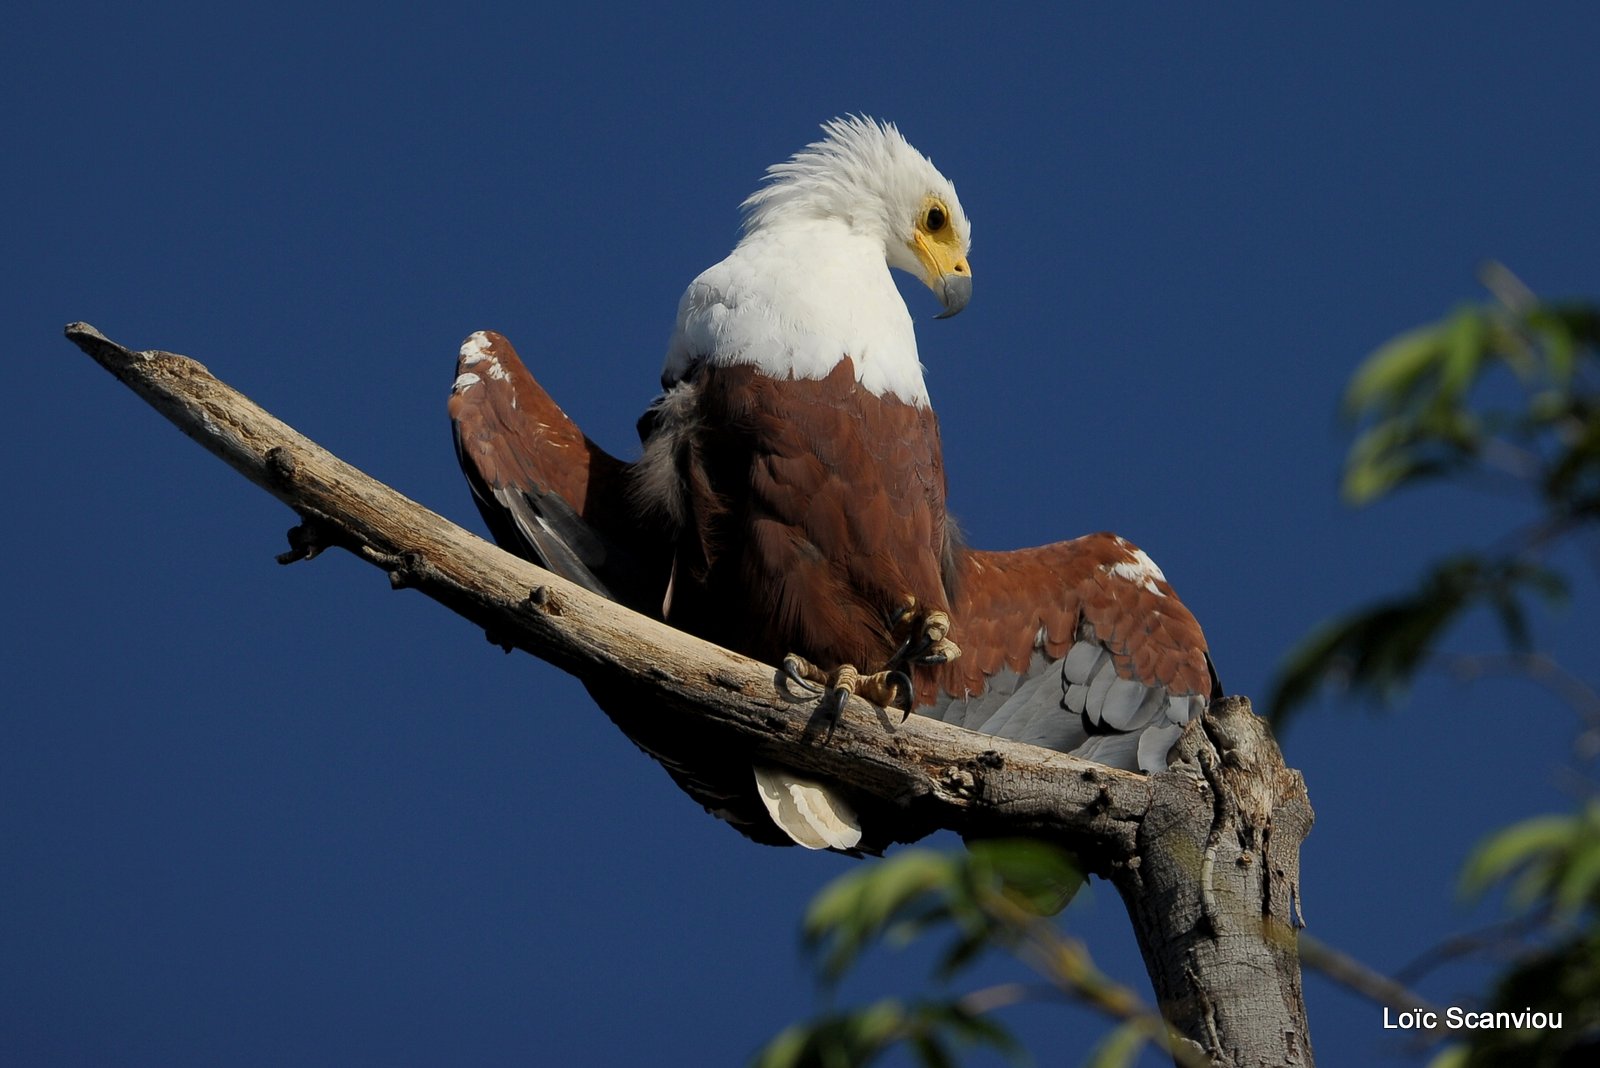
column 1206, row 857
column 1215, row 893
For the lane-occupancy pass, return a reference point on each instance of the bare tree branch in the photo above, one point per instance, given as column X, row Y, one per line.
column 1365, row 980
column 1542, row 669
column 1504, row 940
column 1224, row 968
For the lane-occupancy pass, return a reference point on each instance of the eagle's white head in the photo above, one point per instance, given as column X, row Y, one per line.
column 808, row 284
column 867, row 175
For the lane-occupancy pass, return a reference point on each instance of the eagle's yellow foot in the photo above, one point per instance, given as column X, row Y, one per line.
column 887, row 689
column 924, row 636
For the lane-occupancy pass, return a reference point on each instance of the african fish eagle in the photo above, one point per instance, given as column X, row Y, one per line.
column 789, row 504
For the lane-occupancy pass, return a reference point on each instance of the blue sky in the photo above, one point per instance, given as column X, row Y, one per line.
column 257, row 815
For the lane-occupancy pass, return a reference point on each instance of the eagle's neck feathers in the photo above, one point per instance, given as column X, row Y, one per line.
column 793, row 299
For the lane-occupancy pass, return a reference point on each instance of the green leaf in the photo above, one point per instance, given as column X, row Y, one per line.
column 1465, row 346
column 968, row 1028
column 1377, row 650
column 1517, row 847
column 1119, row 1049
column 837, row 1040
column 1565, row 978
column 932, row 1052
column 1416, row 395
column 853, row 911
column 1391, row 373
column 1579, row 882
column 1557, row 340
column 861, row 1036
column 1386, row 456
column 1566, row 332
column 1407, row 448
column 1040, row 877
column 1574, row 474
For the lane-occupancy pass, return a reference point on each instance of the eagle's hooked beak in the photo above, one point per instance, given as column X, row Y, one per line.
column 945, row 271
column 954, row 292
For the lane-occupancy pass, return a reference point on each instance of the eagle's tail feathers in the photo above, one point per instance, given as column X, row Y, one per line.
column 807, row 811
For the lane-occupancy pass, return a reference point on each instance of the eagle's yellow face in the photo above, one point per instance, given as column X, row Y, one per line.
column 943, row 255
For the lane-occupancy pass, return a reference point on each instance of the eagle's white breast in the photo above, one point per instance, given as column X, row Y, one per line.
column 794, row 300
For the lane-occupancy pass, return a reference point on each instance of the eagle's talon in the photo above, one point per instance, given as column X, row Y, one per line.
column 901, row 654
column 940, row 652
column 887, row 689
column 844, row 681
column 902, row 682
column 935, row 627
column 803, row 673
column 925, row 638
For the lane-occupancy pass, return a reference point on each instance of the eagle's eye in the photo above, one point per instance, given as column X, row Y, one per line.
column 935, row 219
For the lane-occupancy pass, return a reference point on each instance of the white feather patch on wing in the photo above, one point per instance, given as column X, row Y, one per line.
column 807, row 811
column 1139, row 569
column 475, row 348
